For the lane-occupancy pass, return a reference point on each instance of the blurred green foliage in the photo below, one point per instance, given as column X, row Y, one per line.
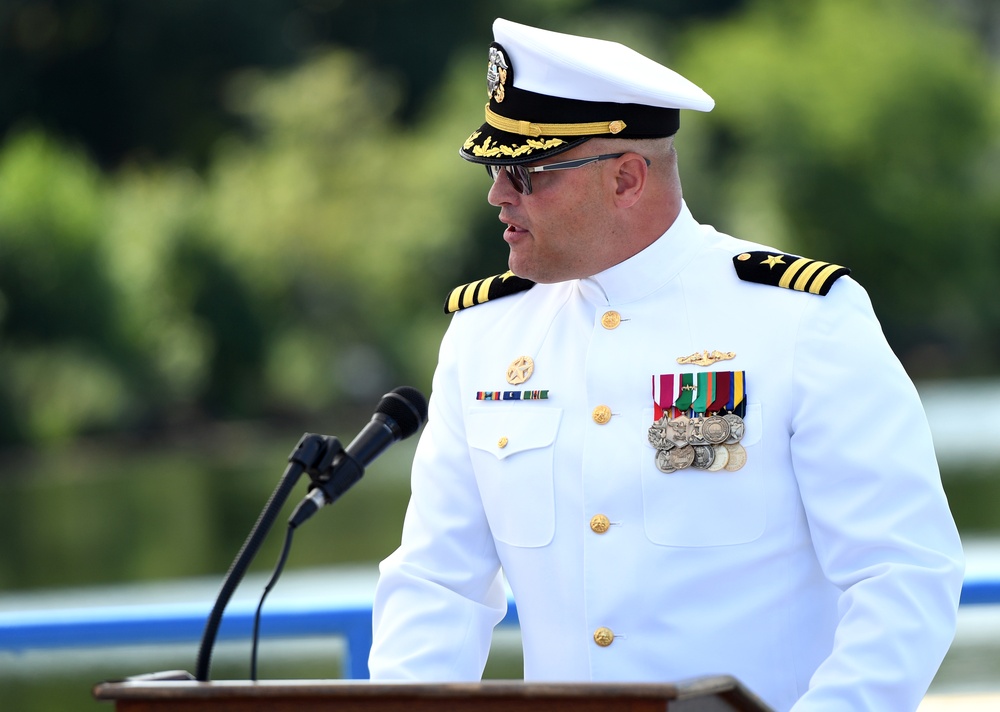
column 303, row 267
column 300, row 266
column 144, row 79
column 868, row 134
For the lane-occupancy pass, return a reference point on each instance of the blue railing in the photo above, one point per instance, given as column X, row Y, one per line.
column 348, row 617
column 167, row 623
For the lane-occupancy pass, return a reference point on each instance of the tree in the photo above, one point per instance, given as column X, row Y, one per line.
column 145, row 79
column 862, row 133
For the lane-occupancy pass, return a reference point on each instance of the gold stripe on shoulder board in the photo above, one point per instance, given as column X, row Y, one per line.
column 483, row 290
column 778, row 269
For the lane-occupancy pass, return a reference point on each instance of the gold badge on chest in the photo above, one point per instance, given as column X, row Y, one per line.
column 520, row 370
column 706, row 358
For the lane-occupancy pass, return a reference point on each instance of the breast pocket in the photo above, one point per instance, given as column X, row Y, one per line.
column 511, row 448
column 693, row 507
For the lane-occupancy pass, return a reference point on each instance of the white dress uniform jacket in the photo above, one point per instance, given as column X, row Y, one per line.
column 824, row 574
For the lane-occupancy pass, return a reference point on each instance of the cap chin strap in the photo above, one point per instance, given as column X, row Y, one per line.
column 527, row 128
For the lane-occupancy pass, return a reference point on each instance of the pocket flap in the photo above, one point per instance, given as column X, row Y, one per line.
column 506, row 430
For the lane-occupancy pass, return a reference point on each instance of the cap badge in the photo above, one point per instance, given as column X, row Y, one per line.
column 520, row 370
column 496, row 74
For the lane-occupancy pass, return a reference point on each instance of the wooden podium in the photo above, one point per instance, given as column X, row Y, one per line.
column 709, row 694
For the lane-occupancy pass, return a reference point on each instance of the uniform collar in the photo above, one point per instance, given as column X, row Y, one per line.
column 644, row 273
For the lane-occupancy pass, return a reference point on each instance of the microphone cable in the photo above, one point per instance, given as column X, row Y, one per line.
column 279, row 567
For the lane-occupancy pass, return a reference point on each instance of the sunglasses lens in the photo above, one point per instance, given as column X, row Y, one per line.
column 519, row 178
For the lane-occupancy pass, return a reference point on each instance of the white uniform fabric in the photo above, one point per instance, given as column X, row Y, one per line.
column 824, row 575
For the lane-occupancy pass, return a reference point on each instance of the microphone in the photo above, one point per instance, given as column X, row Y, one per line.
column 398, row 415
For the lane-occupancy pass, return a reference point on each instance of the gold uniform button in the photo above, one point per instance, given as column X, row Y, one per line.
column 602, row 414
column 599, row 523
column 502, row 443
column 744, row 257
column 611, row 320
column 603, row 636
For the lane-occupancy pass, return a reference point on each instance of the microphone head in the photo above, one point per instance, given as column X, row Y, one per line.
column 407, row 407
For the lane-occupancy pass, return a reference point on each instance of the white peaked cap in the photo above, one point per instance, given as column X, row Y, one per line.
column 574, row 67
column 550, row 91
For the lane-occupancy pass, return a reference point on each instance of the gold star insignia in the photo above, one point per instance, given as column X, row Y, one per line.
column 520, row 370
column 772, row 261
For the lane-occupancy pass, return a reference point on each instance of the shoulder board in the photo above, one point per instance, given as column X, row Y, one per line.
column 483, row 290
column 780, row 270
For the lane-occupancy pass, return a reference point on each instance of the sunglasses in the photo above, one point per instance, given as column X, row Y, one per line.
column 520, row 176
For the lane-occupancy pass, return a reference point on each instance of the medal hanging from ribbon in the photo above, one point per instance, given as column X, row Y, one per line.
column 686, row 395
column 698, row 421
column 664, row 389
column 723, row 391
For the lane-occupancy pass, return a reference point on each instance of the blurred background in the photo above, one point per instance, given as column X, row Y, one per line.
column 224, row 223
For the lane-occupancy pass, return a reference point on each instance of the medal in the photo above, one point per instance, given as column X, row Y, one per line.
column 704, row 456
column 664, row 463
column 694, row 432
column 715, row 429
column 708, row 427
column 681, row 457
column 736, row 427
column 721, row 458
column 737, row 457
column 658, row 434
column 678, row 430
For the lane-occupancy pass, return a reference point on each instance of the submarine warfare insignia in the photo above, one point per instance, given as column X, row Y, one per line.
column 705, row 358
column 780, row 270
column 698, row 421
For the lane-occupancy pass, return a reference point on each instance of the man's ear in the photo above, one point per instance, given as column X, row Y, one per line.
column 630, row 179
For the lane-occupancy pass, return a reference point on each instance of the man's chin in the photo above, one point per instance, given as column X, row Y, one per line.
column 522, row 270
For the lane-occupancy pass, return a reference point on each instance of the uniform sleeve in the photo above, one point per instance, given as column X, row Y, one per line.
column 440, row 594
column 880, row 523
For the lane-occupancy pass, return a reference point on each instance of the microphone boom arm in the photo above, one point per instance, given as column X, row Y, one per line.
column 314, row 454
column 333, row 471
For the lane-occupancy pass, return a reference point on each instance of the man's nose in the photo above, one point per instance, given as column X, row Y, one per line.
column 502, row 191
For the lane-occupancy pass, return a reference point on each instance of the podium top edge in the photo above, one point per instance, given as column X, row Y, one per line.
column 131, row 689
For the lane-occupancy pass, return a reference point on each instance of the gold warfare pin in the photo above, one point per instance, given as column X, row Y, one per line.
column 520, row 370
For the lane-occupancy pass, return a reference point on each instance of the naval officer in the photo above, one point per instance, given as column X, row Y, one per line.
column 687, row 453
